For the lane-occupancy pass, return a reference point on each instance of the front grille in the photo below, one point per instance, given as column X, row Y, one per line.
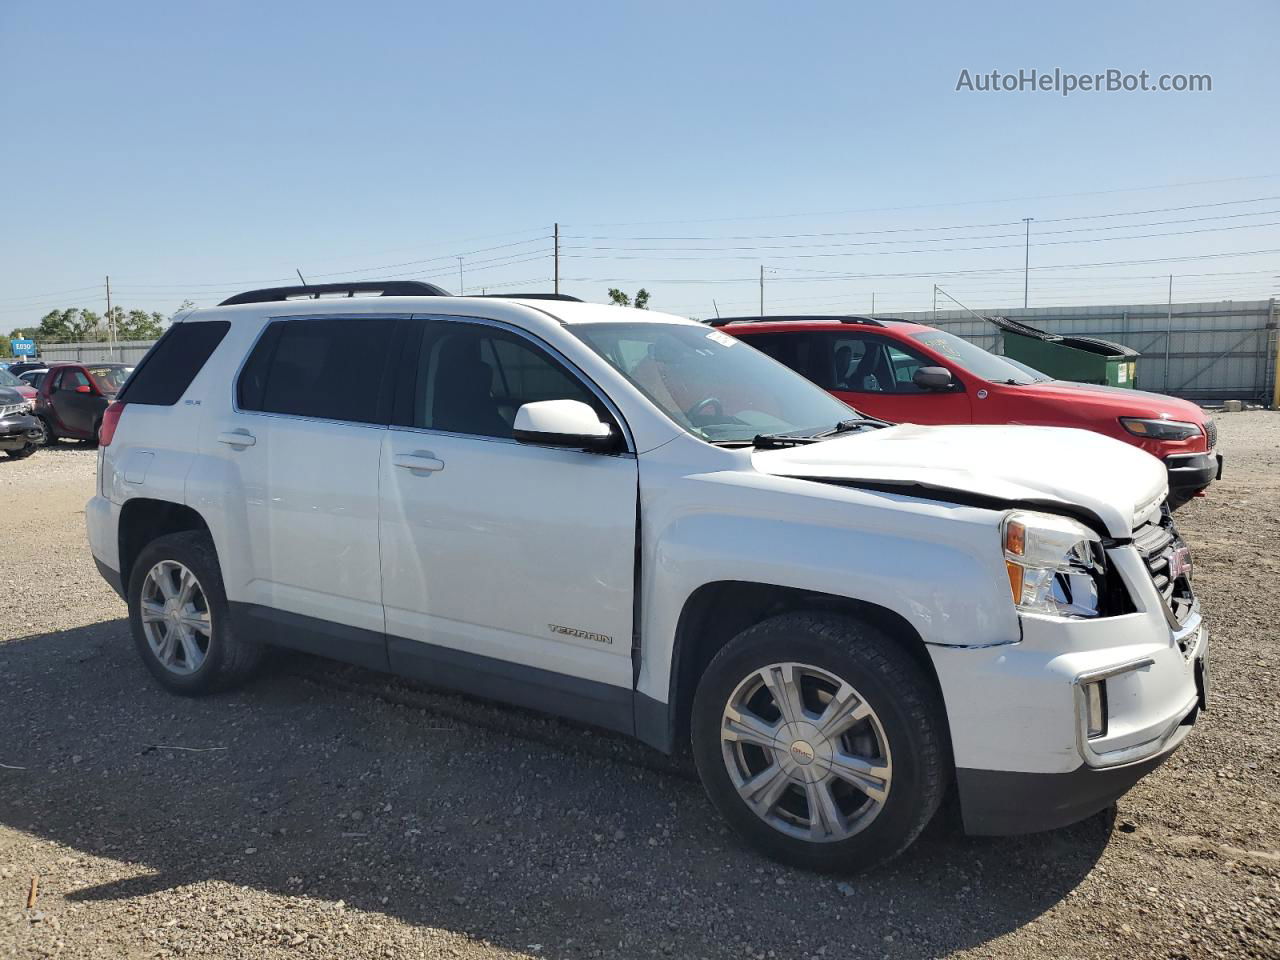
column 1159, row 544
column 1211, row 432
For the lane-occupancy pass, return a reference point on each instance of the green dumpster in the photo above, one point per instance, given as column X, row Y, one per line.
column 1078, row 359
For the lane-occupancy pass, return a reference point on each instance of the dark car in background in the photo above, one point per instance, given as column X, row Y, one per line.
column 19, row 367
column 20, row 432
column 73, row 396
column 27, row 390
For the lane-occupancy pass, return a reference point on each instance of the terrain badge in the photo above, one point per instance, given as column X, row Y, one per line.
column 579, row 634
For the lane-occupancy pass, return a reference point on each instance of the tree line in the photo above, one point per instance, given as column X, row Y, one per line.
column 78, row 325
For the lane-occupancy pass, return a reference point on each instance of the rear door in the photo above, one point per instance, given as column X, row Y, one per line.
column 300, row 450
column 507, row 568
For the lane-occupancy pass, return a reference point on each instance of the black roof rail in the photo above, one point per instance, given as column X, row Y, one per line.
column 815, row 318
column 314, row 291
column 532, row 296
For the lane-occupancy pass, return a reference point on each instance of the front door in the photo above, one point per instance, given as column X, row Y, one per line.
column 874, row 375
column 76, row 403
column 507, row 567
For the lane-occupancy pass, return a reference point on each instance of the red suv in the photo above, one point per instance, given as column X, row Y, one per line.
column 73, row 396
column 908, row 372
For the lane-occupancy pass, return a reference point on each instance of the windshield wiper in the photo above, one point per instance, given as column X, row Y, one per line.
column 845, row 426
column 774, row 441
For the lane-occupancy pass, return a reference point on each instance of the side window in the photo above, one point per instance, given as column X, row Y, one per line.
column 904, row 368
column 473, row 378
column 304, row 367
column 71, row 379
column 905, row 363
column 780, row 346
column 173, row 362
column 853, row 358
column 861, row 364
column 808, row 354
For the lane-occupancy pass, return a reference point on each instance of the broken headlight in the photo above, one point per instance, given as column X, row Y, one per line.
column 1056, row 565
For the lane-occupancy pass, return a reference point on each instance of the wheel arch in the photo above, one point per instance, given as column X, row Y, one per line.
column 143, row 519
column 716, row 612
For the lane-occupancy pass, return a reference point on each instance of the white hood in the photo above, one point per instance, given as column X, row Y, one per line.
column 1112, row 480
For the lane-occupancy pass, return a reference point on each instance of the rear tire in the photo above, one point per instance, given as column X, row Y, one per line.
column 846, row 774
column 180, row 618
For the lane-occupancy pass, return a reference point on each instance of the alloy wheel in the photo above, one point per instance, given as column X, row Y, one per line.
column 806, row 752
column 175, row 617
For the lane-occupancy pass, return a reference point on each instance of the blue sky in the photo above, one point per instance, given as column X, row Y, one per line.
column 192, row 149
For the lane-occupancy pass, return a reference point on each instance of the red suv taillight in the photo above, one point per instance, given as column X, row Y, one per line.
column 110, row 419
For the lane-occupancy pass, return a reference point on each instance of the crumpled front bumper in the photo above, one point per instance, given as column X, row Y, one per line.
column 1024, row 758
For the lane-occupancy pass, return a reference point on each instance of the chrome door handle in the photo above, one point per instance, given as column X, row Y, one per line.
column 417, row 461
column 237, row 438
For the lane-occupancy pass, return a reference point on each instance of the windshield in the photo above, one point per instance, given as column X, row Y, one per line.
column 977, row 361
column 714, row 386
column 7, row 379
column 110, row 379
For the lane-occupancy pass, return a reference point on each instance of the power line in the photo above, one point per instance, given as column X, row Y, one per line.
column 936, row 273
column 56, row 293
column 967, row 226
column 987, row 236
column 882, row 253
column 935, row 206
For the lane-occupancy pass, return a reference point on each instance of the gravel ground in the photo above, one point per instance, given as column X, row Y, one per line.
column 325, row 811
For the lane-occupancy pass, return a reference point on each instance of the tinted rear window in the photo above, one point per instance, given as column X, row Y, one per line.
column 169, row 367
column 304, row 367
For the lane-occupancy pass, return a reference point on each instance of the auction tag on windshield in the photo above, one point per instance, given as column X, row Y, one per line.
column 721, row 338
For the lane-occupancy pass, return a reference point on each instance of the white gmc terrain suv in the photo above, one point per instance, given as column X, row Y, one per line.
column 639, row 522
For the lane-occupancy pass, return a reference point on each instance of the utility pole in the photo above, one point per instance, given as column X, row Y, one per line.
column 1168, row 334
column 873, row 303
column 461, row 288
column 935, row 302
column 762, row 291
column 1026, row 263
column 557, row 257
column 111, row 327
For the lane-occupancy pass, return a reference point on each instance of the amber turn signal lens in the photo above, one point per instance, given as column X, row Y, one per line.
column 1015, row 579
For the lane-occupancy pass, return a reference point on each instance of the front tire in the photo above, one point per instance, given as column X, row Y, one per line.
column 22, row 453
column 50, row 435
column 180, row 618
column 821, row 740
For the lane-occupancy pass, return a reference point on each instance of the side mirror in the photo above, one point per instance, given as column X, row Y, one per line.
column 84, row 388
column 932, row 378
column 562, row 423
